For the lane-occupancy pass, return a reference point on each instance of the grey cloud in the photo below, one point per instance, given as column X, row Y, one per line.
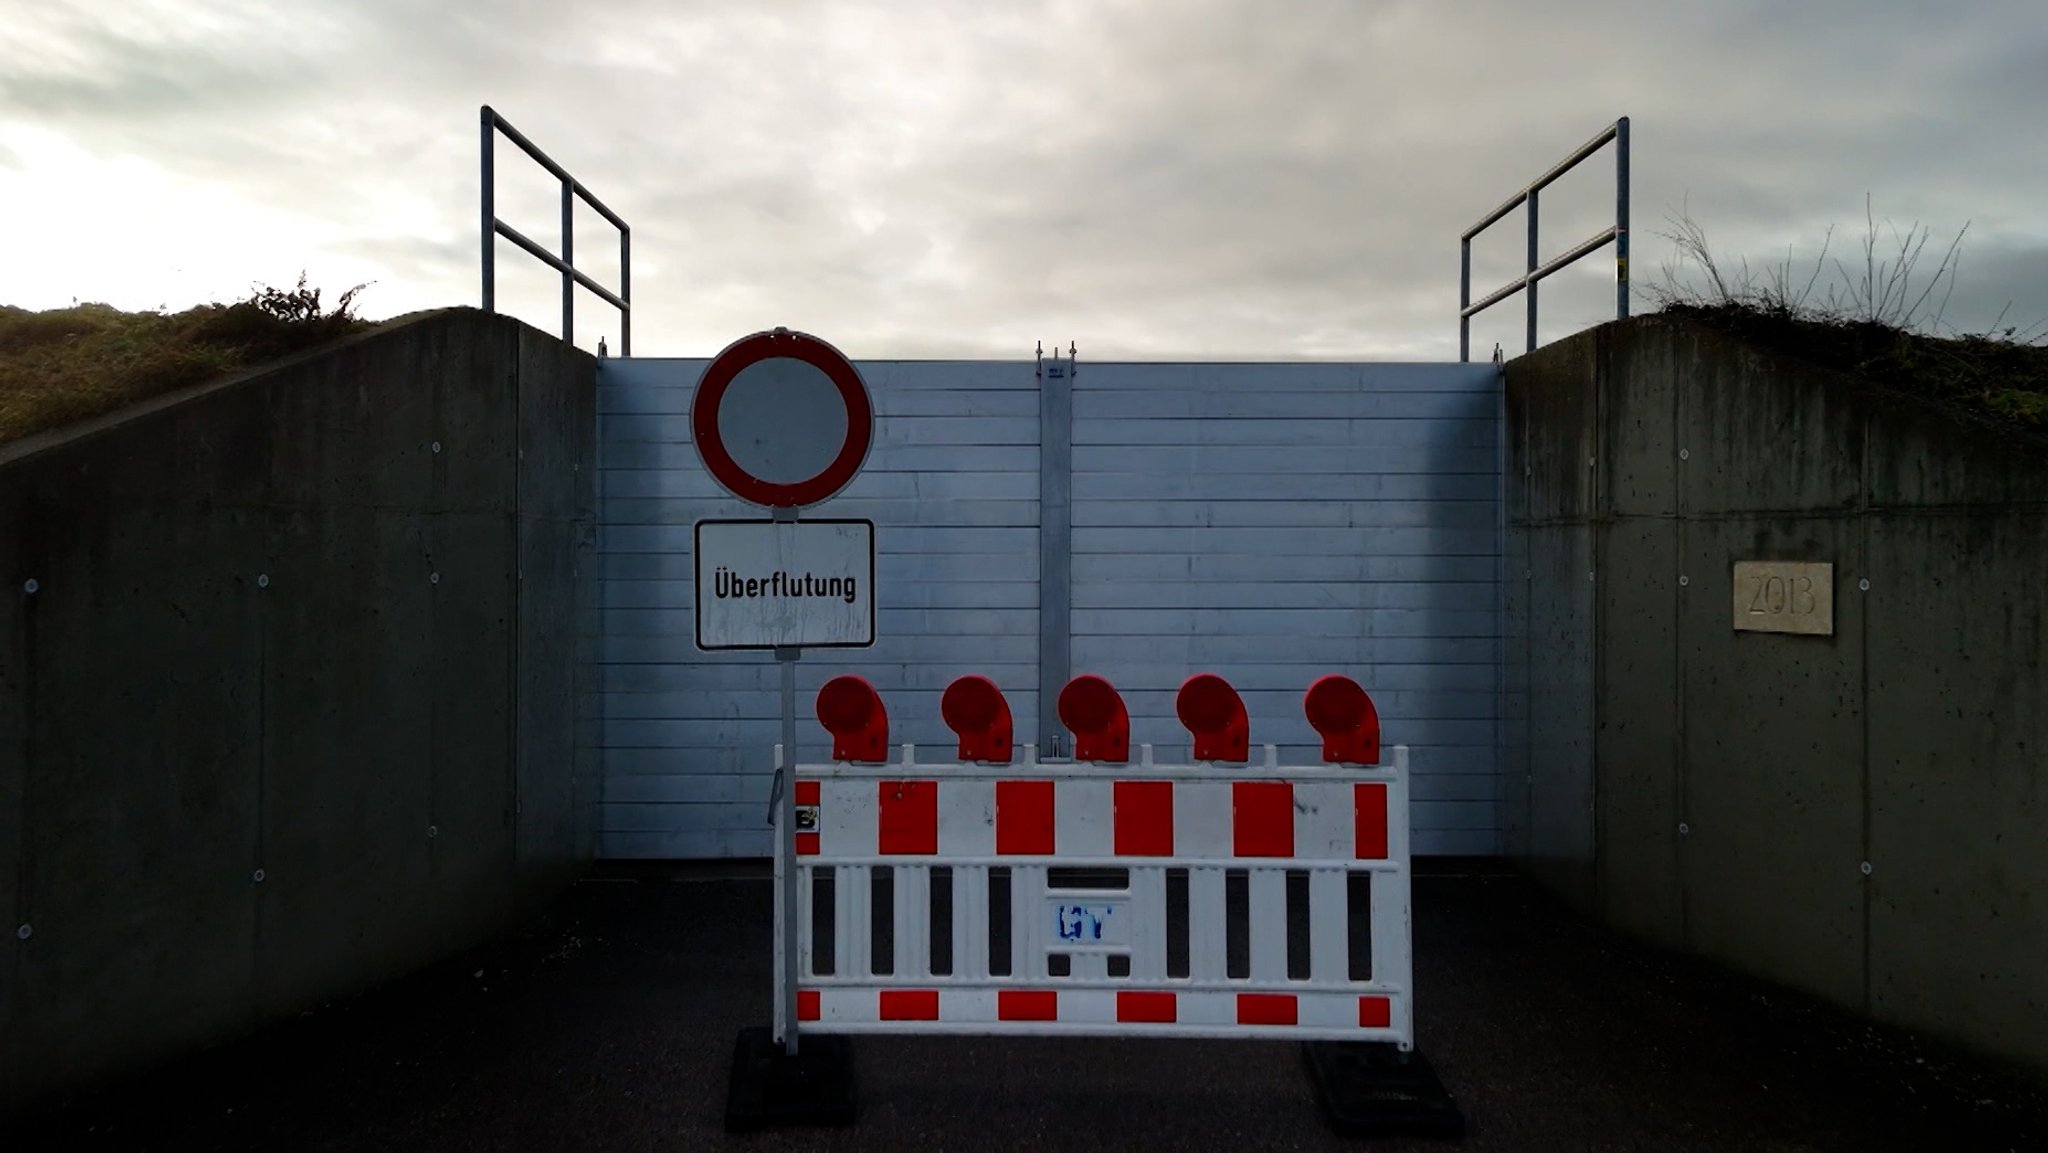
column 1210, row 178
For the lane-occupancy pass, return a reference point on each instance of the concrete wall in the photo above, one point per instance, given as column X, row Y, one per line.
column 290, row 708
column 1720, row 791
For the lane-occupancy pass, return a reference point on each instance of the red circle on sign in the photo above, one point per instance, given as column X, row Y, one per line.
column 752, row 350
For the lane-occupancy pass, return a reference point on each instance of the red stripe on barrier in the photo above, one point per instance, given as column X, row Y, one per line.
column 1369, row 801
column 807, row 844
column 1024, row 819
column 1262, row 818
column 1146, row 1008
column 910, row 1005
column 1266, row 1009
column 806, row 1004
column 1027, row 1005
column 807, row 793
column 907, row 818
column 1375, row 1013
column 1144, row 819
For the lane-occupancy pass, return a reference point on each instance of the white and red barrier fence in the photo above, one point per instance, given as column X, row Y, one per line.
column 991, row 894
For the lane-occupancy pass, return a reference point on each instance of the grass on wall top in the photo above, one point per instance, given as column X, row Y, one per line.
column 69, row 364
column 1874, row 320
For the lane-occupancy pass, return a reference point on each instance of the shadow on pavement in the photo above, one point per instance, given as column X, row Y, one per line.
column 610, row 1024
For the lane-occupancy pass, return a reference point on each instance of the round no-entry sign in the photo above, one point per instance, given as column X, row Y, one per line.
column 782, row 419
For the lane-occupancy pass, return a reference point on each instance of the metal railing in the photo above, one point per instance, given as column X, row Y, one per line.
column 1467, row 307
column 492, row 124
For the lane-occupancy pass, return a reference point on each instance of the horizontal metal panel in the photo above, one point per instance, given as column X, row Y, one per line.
column 890, row 567
column 898, row 539
column 887, row 677
column 1332, row 566
column 1419, row 456
column 1281, row 543
column 645, row 371
column 748, row 788
column 619, row 512
column 701, row 704
column 1110, row 376
column 745, row 845
column 1466, row 596
column 1336, row 652
column 879, row 375
column 889, row 593
column 748, row 815
column 1152, row 719
column 688, row 760
column 889, row 430
column 962, row 625
column 959, row 482
column 689, row 818
column 904, row 705
column 1294, row 485
column 701, row 846
column 1262, row 404
column 763, row 732
column 690, row 788
column 1254, row 511
column 1309, row 622
column 672, row 400
column 1467, row 763
column 887, row 647
column 1295, row 676
column 638, row 454
column 1358, row 435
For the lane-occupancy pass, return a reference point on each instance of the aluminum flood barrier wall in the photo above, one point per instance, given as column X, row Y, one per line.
column 1268, row 522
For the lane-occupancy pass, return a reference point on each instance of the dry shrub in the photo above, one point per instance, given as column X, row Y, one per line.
column 68, row 364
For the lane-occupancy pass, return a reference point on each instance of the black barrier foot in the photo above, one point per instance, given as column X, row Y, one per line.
column 1372, row 1089
column 771, row 1089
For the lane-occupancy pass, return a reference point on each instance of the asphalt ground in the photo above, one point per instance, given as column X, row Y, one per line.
column 609, row 1024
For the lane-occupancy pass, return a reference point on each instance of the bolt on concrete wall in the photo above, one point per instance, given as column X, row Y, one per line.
column 1856, row 812
column 287, row 692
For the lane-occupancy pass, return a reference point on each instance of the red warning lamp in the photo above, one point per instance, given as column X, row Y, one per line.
column 1340, row 710
column 1214, row 714
column 852, row 712
column 974, row 708
column 1093, row 709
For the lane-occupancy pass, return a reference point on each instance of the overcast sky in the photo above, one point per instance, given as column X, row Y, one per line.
column 1256, row 179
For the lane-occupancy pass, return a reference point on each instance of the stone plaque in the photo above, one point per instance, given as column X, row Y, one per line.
column 1785, row 597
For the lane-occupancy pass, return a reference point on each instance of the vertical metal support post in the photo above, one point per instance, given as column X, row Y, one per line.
column 490, row 212
column 1529, row 287
column 1055, row 544
column 626, row 291
column 1464, row 300
column 569, row 261
column 1621, row 218
column 787, row 943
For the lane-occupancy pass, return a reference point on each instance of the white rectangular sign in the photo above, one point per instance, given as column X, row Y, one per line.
column 764, row 584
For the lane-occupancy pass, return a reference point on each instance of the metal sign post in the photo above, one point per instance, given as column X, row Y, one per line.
column 786, row 944
column 786, row 947
column 781, row 419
